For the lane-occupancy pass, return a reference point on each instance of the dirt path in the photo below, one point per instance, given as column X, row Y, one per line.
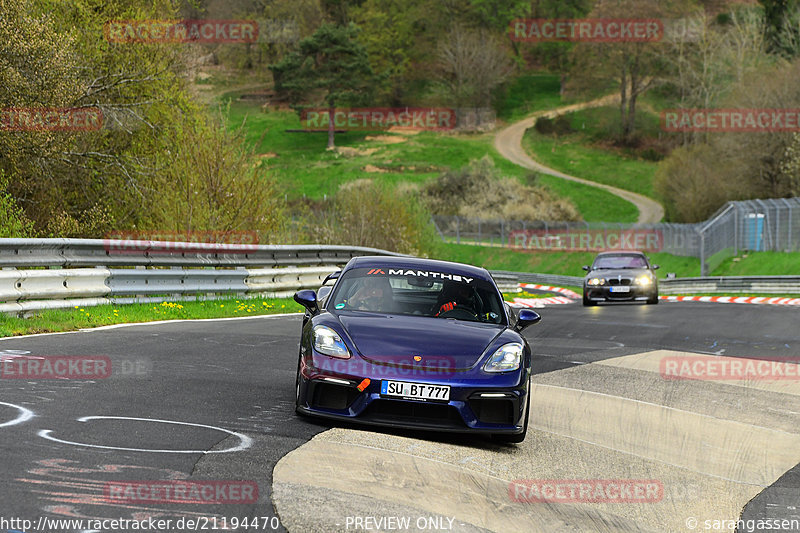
column 509, row 143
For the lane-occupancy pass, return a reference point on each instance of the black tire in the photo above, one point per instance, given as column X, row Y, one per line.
column 587, row 302
column 516, row 439
column 297, row 388
column 653, row 300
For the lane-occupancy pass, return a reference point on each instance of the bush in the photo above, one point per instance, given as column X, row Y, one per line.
column 13, row 222
column 559, row 126
column 478, row 191
column 213, row 182
column 366, row 213
column 690, row 184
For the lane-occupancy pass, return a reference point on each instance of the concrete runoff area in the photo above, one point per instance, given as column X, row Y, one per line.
column 712, row 444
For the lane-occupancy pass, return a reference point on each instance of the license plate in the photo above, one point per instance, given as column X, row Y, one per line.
column 416, row 391
column 621, row 289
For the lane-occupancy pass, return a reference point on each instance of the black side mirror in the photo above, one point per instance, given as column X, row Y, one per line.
column 526, row 318
column 655, row 267
column 586, row 268
column 308, row 299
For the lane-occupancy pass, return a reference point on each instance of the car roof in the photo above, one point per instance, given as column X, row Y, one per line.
column 417, row 263
column 622, row 252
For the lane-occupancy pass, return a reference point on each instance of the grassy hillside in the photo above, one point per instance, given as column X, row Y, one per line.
column 302, row 165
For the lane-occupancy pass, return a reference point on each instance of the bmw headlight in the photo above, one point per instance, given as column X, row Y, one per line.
column 644, row 280
column 596, row 281
column 328, row 342
column 508, row 357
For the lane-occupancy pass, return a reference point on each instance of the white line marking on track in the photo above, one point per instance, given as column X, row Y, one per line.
column 245, row 443
column 24, row 416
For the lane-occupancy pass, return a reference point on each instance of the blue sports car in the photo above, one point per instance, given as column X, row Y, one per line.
column 415, row 343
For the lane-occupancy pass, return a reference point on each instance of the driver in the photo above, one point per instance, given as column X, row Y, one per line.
column 375, row 294
column 455, row 295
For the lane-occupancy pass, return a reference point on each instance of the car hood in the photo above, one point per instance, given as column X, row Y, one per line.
column 439, row 343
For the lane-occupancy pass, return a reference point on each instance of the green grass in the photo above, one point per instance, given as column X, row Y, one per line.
column 528, row 94
column 760, row 263
column 571, row 154
column 562, row 263
column 302, row 166
column 595, row 205
column 53, row 320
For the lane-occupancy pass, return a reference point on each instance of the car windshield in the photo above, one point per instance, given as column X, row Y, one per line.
column 619, row 261
column 428, row 293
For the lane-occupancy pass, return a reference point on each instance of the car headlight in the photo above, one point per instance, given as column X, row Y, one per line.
column 328, row 342
column 596, row 281
column 508, row 357
column 644, row 280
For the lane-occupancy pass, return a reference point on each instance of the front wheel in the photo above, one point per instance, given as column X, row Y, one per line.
column 653, row 300
column 587, row 302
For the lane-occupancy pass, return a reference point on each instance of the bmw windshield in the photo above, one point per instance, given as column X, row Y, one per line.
column 614, row 262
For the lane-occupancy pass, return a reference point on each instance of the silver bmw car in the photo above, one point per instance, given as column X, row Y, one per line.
column 620, row 276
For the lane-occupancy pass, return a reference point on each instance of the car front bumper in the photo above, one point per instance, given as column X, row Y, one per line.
column 607, row 293
column 477, row 404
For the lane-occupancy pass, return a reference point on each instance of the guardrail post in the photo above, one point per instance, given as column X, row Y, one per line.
column 703, row 266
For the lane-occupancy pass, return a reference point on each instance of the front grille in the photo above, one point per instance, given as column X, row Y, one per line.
column 495, row 410
column 332, row 396
column 618, row 281
column 414, row 413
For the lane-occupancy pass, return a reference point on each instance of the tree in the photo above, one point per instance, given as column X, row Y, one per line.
column 781, row 26
column 339, row 10
column 331, row 61
column 710, row 59
column 390, row 31
column 13, row 222
column 52, row 54
column 495, row 15
column 697, row 179
column 472, row 64
column 632, row 67
column 556, row 56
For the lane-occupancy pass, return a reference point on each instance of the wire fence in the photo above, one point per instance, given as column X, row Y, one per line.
column 751, row 225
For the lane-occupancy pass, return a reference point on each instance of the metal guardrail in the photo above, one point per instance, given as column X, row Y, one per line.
column 719, row 284
column 45, row 273
column 732, row 284
column 68, row 253
column 542, row 279
column 51, row 276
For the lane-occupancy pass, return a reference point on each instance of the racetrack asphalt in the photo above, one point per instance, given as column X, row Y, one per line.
column 235, row 380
